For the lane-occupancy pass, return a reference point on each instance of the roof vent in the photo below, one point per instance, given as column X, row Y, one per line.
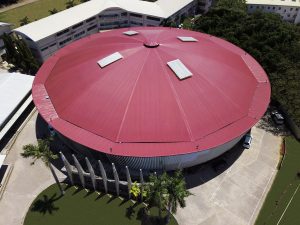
column 179, row 69
column 130, row 32
column 187, row 39
column 109, row 59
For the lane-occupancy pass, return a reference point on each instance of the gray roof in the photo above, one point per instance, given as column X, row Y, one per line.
column 13, row 88
column 52, row 24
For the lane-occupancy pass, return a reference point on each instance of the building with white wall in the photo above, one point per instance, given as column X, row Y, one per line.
column 288, row 9
column 45, row 36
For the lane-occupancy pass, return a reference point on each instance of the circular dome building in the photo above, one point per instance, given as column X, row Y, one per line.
column 152, row 98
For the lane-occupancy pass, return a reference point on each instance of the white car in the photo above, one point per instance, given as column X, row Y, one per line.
column 247, row 141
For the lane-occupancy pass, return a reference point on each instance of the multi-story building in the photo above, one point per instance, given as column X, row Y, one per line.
column 44, row 37
column 288, row 9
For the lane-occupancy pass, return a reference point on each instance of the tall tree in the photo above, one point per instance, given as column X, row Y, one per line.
column 177, row 192
column 42, row 151
column 10, row 48
column 18, row 54
column 166, row 191
column 24, row 21
column 156, row 190
column 70, row 4
column 273, row 42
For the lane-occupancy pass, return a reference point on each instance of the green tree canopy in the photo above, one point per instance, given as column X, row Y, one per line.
column 18, row 54
column 273, row 42
column 166, row 191
column 42, row 151
column 53, row 11
column 232, row 4
column 70, row 4
column 24, row 21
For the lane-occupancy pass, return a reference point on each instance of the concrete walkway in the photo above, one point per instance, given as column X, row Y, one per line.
column 235, row 196
column 231, row 197
column 26, row 181
column 21, row 3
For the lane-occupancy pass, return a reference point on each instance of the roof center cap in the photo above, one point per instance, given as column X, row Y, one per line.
column 151, row 44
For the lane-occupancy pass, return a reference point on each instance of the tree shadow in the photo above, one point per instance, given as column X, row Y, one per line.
column 147, row 219
column 45, row 205
column 130, row 212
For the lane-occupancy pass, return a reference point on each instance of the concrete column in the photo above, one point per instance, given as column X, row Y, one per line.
column 116, row 177
column 56, row 179
column 92, row 173
column 103, row 175
column 129, row 182
column 141, row 183
column 68, row 167
column 80, row 171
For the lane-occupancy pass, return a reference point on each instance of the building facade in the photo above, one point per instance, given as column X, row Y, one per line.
column 46, row 36
column 289, row 10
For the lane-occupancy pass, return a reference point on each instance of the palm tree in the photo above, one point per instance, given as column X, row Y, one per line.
column 177, row 192
column 157, row 192
column 42, row 151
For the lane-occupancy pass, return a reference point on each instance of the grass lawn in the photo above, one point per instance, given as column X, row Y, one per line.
column 33, row 11
column 78, row 207
column 279, row 205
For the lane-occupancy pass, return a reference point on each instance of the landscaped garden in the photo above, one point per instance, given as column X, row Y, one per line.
column 78, row 207
column 34, row 11
column 282, row 204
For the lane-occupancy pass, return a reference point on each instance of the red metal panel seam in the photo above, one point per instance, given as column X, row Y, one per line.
column 129, row 101
column 187, row 125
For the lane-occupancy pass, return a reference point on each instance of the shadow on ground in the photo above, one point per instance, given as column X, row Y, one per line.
column 200, row 174
column 194, row 176
column 45, row 205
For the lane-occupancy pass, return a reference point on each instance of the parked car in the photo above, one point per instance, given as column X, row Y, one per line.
column 247, row 141
column 277, row 117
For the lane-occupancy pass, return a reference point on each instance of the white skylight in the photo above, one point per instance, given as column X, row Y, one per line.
column 187, row 39
column 130, row 32
column 179, row 69
column 109, row 59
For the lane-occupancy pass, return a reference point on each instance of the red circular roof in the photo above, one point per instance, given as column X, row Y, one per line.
column 137, row 106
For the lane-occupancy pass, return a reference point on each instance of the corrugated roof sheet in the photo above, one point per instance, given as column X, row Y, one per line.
column 13, row 88
column 137, row 107
column 47, row 26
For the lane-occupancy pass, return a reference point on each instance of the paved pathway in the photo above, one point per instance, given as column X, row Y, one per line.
column 235, row 196
column 26, row 181
column 24, row 2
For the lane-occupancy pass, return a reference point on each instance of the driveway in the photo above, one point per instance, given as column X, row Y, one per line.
column 235, row 195
column 26, row 181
